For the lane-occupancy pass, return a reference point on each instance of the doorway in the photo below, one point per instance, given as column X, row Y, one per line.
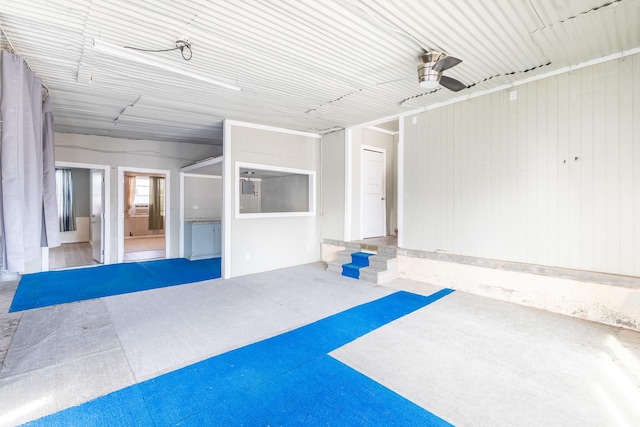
column 82, row 208
column 373, row 192
column 144, row 214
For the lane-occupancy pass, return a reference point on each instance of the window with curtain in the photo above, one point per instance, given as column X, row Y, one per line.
column 65, row 196
column 142, row 191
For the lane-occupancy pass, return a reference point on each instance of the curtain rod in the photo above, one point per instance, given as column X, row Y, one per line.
column 13, row 50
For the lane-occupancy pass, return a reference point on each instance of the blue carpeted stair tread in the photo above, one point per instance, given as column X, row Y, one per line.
column 358, row 260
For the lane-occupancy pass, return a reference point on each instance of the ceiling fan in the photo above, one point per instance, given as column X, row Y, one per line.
column 432, row 64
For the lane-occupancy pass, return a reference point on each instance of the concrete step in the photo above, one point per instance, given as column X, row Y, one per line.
column 353, row 247
column 335, row 266
column 390, row 251
column 382, row 269
column 382, row 262
column 344, row 256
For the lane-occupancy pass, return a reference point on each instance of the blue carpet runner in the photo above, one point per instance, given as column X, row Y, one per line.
column 59, row 287
column 358, row 260
column 286, row 380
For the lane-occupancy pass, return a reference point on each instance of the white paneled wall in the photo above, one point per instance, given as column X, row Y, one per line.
column 267, row 243
column 550, row 178
column 332, row 189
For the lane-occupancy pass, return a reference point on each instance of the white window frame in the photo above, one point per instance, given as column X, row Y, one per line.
column 312, row 190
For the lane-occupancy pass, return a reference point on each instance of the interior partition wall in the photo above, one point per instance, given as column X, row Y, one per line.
column 256, row 242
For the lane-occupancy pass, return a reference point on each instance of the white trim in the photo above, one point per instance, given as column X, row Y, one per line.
column 563, row 70
column 45, row 258
column 348, row 182
column 384, row 187
column 227, row 191
column 377, row 121
column 273, row 215
column 106, row 207
column 202, row 163
column 167, row 206
column 612, row 57
column 271, row 129
column 400, row 183
column 181, row 219
column 381, row 130
column 196, row 175
column 274, row 168
column 312, row 190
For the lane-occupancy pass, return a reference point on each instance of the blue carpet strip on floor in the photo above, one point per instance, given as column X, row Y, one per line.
column 287, row 380
column 59, row 287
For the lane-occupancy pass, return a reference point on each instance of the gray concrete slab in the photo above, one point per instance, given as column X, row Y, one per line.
column 469, row 359
column 482, row 362
column 60, row 356
column 165, row 329
column 8, row 321
column 44, row 391
column 57, row 334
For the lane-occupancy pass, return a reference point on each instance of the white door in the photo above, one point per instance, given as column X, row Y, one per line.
column 97, row 215
column 374, row 194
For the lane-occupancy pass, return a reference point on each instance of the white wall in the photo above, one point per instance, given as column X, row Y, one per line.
column 205, row 193
column 117, row 152
column 81, row 233
column 262, row 244
column 552, row 178
column 332, row 185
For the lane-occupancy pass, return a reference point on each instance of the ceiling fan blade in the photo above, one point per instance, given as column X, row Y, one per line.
column 452, row 84
column 446, row 63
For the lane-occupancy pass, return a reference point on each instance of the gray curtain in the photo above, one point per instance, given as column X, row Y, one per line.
column 66, row 203
column 21, row 164
column 50, row 227
column 156, row 203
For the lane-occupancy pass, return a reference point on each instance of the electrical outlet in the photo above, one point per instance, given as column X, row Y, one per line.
column 414, row 120
column 513, row 95
column 195, row 207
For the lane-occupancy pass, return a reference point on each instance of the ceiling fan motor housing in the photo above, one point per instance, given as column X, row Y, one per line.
column 427, row 76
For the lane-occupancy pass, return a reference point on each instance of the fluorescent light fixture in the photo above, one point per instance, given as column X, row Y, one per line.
column 123, row 53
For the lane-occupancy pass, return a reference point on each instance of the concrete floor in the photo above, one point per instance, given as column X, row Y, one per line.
column 467, row 359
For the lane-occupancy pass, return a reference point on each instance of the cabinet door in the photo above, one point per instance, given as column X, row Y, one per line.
column 202, row 240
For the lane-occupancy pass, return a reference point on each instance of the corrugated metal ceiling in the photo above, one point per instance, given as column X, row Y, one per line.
column 307, row 65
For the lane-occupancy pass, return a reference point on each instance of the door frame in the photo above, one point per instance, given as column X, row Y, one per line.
column 106, row 241
column 103, row 195
column 384, row 186
column 167, row 206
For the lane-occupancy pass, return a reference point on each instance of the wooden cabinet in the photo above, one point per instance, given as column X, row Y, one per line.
column 202, row 239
